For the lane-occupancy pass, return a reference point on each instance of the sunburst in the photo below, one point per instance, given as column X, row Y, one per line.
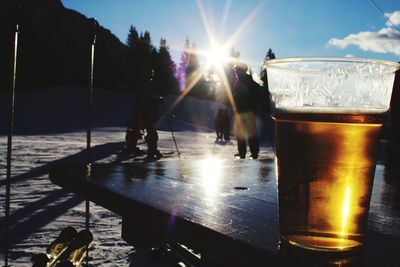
column 217, row 55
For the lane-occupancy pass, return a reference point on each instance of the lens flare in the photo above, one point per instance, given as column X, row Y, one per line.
column 217, row 56
column 218, row 53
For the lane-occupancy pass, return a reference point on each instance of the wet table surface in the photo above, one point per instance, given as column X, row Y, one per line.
column 224, row 209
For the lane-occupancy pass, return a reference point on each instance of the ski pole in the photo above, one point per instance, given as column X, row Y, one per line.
column 173, row 136
column 93, row 32
column 172, row 132
column 10, row 135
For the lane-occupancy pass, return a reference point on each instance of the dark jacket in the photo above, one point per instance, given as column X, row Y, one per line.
column 250, row 96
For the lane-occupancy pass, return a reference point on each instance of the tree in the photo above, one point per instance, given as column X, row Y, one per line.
column 133, row 37
column 184, row 61
column 270, row 55
column 193, row 63
column 164, row 79
column 263, row 75
column 141, row 57
column 145, row 40
column 195, row 78
column 149, row 69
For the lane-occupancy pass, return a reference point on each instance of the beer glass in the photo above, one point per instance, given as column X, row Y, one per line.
column 328, row 115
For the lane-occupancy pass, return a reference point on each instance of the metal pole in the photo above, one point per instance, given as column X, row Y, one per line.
column 90, row 98
column 93, row 32
column 90, row 104
column 173, row 138
column 9, row 144
column 172, row 133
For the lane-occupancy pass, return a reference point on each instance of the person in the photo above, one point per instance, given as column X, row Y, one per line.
column 219, row 124
column 395, row 111
column 144, row 116
column 246, row 94
column 222, row 125
column 226, row 128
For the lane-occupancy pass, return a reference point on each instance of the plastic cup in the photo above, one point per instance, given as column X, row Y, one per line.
column 328, row 115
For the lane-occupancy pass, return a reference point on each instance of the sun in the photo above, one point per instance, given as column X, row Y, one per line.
column 217, row 56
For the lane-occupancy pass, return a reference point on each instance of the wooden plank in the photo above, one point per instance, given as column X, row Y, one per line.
column 190, row 201
column 203, row 203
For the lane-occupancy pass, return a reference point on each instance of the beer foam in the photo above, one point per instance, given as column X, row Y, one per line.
column 315, row 84
column 328, row 110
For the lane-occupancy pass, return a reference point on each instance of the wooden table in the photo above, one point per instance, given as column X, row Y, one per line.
column 224, row 209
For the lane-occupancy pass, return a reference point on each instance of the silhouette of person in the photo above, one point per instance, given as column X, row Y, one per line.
column 226, row 125
column 395, row 111
column 219, row 124
column 222, row 125
column 246, row 94
column 144, row 116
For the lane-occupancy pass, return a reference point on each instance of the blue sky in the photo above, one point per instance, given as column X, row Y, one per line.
column 291, row 28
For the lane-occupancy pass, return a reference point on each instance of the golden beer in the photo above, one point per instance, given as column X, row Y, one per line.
column 328, row 115
column 325, row 169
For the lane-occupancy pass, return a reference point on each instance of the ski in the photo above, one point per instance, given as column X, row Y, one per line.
column 74, row 254
column 135, row 152
column 153, row 157
column 55, row 249
column 156, row 156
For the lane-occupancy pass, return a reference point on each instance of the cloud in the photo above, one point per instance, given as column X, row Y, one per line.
column 386, row 40
column 394, row 18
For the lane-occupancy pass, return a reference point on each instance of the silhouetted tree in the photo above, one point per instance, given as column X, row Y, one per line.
column 270, row 55
column 145, row 40
column 189, row 67
column 195, row 78
column 263, row 75
column 184, row 62
column 141, row 60
column 165, row 71
column 133, row 37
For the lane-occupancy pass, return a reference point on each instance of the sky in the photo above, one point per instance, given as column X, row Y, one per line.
column 291, row 28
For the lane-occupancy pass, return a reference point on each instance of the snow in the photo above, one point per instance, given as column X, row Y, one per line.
column 40, row 209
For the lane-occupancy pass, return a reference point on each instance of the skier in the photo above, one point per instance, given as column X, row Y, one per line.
column 226, row 126
column 246, row 93
column 222, row 125
column 219, row 124
column 144, row 116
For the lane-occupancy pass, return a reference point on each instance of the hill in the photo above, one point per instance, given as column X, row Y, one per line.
column 54, row 47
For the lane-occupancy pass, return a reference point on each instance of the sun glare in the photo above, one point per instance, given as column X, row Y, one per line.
column 217, row 56
column 211, row 170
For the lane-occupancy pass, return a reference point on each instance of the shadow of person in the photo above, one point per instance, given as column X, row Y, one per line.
column 98, row 152
column 27, row 220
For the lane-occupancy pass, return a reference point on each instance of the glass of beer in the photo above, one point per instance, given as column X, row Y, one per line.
column 328, row 115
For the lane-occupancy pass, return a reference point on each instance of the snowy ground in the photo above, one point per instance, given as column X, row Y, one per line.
column 40, row 209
